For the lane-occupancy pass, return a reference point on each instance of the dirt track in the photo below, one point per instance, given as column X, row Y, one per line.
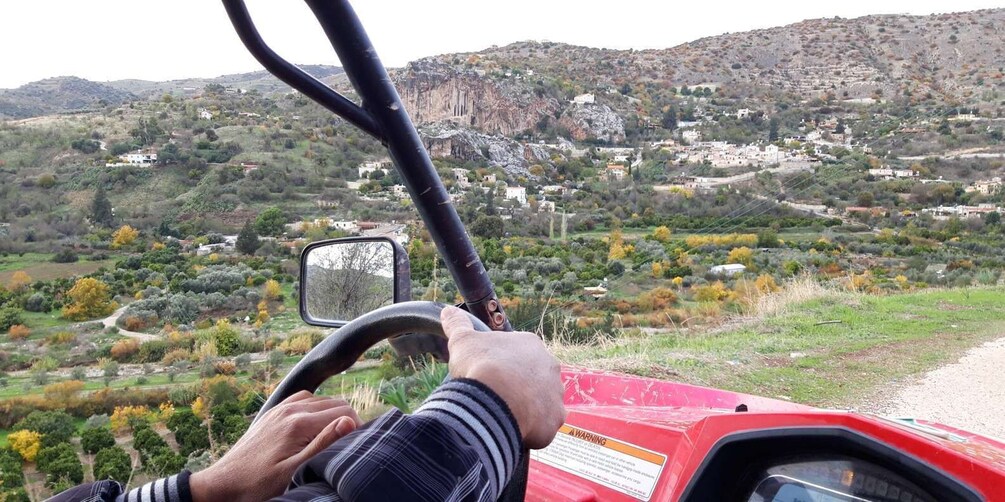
column 969, row 394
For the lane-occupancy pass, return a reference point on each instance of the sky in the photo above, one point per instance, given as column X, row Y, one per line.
column 105, row 40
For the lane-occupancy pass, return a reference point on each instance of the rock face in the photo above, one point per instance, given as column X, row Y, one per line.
column 438, row 93
column 465, row 144
column 593, row 122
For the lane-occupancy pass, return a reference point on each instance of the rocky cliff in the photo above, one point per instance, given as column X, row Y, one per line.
column 439, row 93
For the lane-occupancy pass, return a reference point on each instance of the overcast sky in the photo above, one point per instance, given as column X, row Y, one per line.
column 159, row 40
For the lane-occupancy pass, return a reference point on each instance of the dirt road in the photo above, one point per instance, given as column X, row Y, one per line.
column 112, row 319
column 969, row 394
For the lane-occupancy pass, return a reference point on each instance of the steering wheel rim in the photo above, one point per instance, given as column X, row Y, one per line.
column 340, row 350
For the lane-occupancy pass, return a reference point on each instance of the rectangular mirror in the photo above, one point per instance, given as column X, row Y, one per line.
column 342, row 279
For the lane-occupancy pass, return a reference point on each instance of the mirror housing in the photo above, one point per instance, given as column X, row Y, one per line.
column 342, row 279
column 398, row 273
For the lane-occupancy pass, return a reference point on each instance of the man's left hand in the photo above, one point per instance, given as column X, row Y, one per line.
column 260, row 465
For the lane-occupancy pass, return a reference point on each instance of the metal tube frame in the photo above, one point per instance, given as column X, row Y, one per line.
column 382, row 116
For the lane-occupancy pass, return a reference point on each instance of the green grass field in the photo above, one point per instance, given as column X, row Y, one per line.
column 39, row 268
column 866, row 343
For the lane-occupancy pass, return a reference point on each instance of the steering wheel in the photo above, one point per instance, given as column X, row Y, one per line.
column 340, row 350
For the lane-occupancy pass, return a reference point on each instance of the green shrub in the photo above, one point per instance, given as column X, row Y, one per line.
column 112, row 463
column 96, row 439
column 10, row 316
column 55, row 426
column 60, row 465
column 164, row 461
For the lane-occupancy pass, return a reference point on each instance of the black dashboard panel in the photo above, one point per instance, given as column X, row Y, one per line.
column 817, row 464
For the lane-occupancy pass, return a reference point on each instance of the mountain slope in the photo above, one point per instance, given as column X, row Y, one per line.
column 58, row 95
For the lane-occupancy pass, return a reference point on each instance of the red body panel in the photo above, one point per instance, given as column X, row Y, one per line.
column 683, row 422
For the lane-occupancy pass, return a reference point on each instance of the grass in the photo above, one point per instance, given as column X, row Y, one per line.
column 787, row 352
column 43, row 270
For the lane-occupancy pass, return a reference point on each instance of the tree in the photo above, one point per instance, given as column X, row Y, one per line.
column 90, row 299
column 272, row 289
column 866, row 199
column 101, row 209
column 669, row 121
column 488, row 227
column 55, row 426
column 247, row 239
column 226, row 338
column 113, row 463
column 19, row 281
column 26, row 443
column 768, row 238
column 124, row 236
column 742, row 255
column 662, row 234
column 9, row 317
column 993, row 218
column 773, row 129
column 270, row 222
column 345, row 281
column 95, row 439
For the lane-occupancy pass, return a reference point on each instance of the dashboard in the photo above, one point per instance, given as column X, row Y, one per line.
column 817, row 464
column 841, row 479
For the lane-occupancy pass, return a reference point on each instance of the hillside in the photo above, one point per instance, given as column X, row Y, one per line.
column 59, row 95
column 261, row 81
column 949, row 59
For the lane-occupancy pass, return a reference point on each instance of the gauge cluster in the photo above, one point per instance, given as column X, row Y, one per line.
column 834, row 480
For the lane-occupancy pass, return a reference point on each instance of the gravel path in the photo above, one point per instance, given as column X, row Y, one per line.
column 112, row 319
column 969, row 394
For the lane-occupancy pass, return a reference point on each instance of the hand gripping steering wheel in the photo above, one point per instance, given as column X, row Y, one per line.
column 340, row 350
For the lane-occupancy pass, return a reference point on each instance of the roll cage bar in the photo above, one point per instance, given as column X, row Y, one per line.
column 382, row 116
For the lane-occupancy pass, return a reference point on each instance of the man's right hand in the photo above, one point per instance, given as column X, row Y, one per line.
column 516, row 366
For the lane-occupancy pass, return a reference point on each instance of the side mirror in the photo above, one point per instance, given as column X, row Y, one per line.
column 342, row 279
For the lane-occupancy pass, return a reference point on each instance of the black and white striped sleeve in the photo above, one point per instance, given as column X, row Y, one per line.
column 170, row 489
column 461, row 444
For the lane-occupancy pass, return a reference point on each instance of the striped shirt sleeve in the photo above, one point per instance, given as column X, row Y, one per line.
column 170, row 489
column 461, row 444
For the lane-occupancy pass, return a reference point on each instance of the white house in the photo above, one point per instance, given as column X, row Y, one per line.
column 546, row 206
column 691, row 135
column 986, row 187
column 584, row 99
column 728, row 270
column 368, row 167
column 518, row 194
column 615, row 172
column 205, row 114
column 743, row 113
column 137, row 158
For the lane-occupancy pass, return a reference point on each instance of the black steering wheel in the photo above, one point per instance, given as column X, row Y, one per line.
column 340, row 350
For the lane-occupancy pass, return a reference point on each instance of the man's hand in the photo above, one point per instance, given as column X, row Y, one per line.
column 515, row 365
column 262, row 462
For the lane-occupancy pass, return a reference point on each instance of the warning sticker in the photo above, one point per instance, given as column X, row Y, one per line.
column 624, row 467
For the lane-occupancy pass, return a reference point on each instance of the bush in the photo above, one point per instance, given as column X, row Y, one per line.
column 38, row 302
column 16, row 495
column 49, row 455
column 163, row 461
column 10, row 316
column 10, row 470
column 65, row 256
column 123, row 350
column 152, row 351
column 60, row 464
column 146, row 441
column 96, row 439
column 18, row 332
column 26, row 443
column 54, row 426
column 112, row 463
column 225, row 337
